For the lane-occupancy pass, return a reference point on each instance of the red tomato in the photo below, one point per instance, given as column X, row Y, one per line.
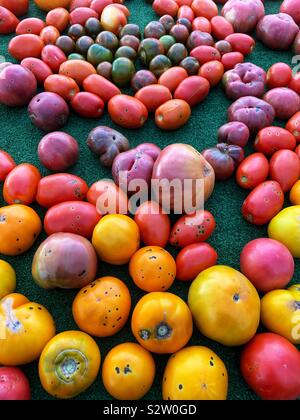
column 54, row 57
column 201, row 24
column 295, row 83
column 113, row 194
column 49, row 35
column 252, row 171
column 263, row 203
column 193, row 259
column 40, row 69
column 185, row 12
column 212, row 71
column 80, row 3
column 58, row 188
column 20, row 185
column 101, row 87
column 271, row 139
column 7, row 164
column 192, row 228
column 184, row 2
column 17, row 7
column 72, row 217
column 279, row 75
column 87, row 105
column 205, row 53
column 293, row 126
column 205, row 8
column 8, row 21
column 231, row 59
column 292, row 8
column 242, row 43
column 99, row 5
column 64, row 86
column 270, row 365
column 128, row 112
column 81, row 14
column 153, row 96
column 153, row 223
column 193, row 90
column 13, row 385
column 165, row 7
column 221, row 27
column 297, row 151
column 59, row 18
column 172, row 114
column 172, row 78
column 30, row 26
column 23, row 46
column 79, row 70
column 285, row 168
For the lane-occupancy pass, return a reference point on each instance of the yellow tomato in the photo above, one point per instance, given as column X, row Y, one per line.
column 7, row 279
column 69, row 364
column 195, row 373
column 295, row 288
column 47, row 5
column 295, row 193
column 116, row 238
column 280, row 313
column 225, row 305
column 128, row 371
column 285, row 228
column 25, row 329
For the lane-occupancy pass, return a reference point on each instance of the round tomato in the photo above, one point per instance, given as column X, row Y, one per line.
column 40, row 69
column 20, row 185
column 102, row 308
column 87, row 105
column 293, row 126
column 252, row 171
column 101, row 87
column 193, row 90
column 30, row 26
column 231, row 59
column 165, row 7
column 212, row 71
column 78, row 70
column 62, row 85
column 17, row 7
column 47, row 5
column 195, row 373
column 59, row 18
column 108, row 198
column 49, row 35
column 13, row 385
column 8, row 279
column 116, row 238
column 172, row 114
column 23, row 46
column 153, row 96
column 162, row 322
column 128, row 112
column 271, row 139
column 285, row 168
column 225, row 305
column 202, row 24
column 69, row 364
column 279, row 75
column 241, row 43
column 19, row 227
column 7, row 164
column 221, row 27
column 26, row 326
column 270, row 365
column 128, row 371
column 54, row 57
column 172, row 78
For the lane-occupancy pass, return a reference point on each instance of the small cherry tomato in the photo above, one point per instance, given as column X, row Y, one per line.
column 295, row 194
column 221, row 27
column 62, row 85
column 212, row 71
column 295, row 83
column 172, row 78
column 193, row 90
column 113, row 19
column 186, row 12
column 242, row 43
column 59, row 18
column 293, row 126
column 231, row 59
column 7, row 164
column 128, row 112
column 101, row 87
column 54, row 57
column 108, row 198
column 205, row 53
column 202, row 24
column 81, row 14
column 87, row 105
column 279, row 75
column 8, row 21
column 20, row 185
column 17, row 7
column 30, row 26
column 165, row 7
column 172, row 114
column 13, row 385
column 285, row 168
column 49, row 35
column 40, row 69
column 8, row 282
column 23, row 46
column 252, row 171
column 79, row 70
column 162, row 322
column 205, row 8
column 271, row 139
column 153, row 96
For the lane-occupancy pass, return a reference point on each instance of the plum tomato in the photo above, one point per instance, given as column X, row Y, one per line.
column 172, row 78
column 7, row 164
column 293, row 126
column 205, row 53
column 241, row 43
column 30, row 26
column 58, row 17
column 172, row 114
column 279, row 75
column 112, row 194
column 193, row 90
column 49, row 35
column 271, row 139
column 252, row 171
column 20, row 185
column 64, row 86
column 165, row 7
column 54, row 57
column 295, row 83
column 8, row 21
column 79, row 70
column 17, row 7
column 87, row 105
column 202, row 24
column 153, row 96
column 205, row 8
column 285, row 168
column 231, row 59
column 212, row 71
column 40, row 69
column 101, row 87
column 13, row 385
column 186, row 12
column 128, row 112
column 81, row 14
column 27, row 45
column 221, row 27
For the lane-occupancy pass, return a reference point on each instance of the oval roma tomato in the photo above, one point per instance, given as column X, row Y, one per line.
column 7, row 164
column 231, row 59
column 173, row 77
column 252, row 171
column 205, row 53
column 81, row 14
column 241, row 43
column 57, row 188
column 87, row 105
column 116, row 238
column 49, row 35
column 14, row 385
column 192, row 228
column 279, row 75
column 62, row 85
column 193, row 90
column 212, row 71
column 128, row 371
column 58, row 17
column 165, row 7
column 293, row 126
column 193, row 259
column 285, row 168
column 78, row 70
column 153, row 223
column 172, row 114
column 128, row 112
column 17, row 7
column 40, row 69
column 19, row 227
column 113, row 19
column 270, row 365
column 195, row 373
column 202, row 24
column 206, row 8
column 295, row 194
column 101, row 87
column 153, row 96
column 221, row 27
column 102, row 308
column 54, row 57
column 8, row 279
column 26, row 326
column 69, row 364
column 108, row 198
column 152, row 269
column 47, row 5
column 186, row 12
column 295, row 83
column 30, row 26
column 23, row 46
column 20, row 185
column 225, row 305
column 162, row 322
column 271, row 139
column 263, row 203
column 8, row 21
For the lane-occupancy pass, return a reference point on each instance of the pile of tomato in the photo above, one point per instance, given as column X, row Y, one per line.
column 185, row 54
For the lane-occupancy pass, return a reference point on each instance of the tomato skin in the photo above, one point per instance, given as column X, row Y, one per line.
column 186, row 12
column 295, row 193
column 113, row 19
column 48, row 5
column 229, row 60
column 279, row 75
column 270, row 365
column 285, row 168
column 221, row 27
column 128, row 112
column 58, row 188
column 59, row 18
column 79, row 70
column 263, row 203
column 13, row 385
column 23, row 46
column 64, row 86
column 190, row 229
column 172, row 114
column 205, row 53
column 40, row 69
column 212, row 71
column 271, row 139
column 20, row 185
column 110, row 189
column 154, row 225
column 17, row 7
column 7, row 164
column 241, row 43
column 162, row 322
column 193, row 259
column 153, row 96
column 165, row 7
column 293, row 126
column 81, row 15
column 72, row 217
column 8, row 21
column 87, row 105
column 30, row 26
column 8, row 282
column 54, row 57
column 172, row 78
column 49, row 35
column 202, row 24
column 97, row 5
column 101, row 87
column 205, row 8
column 193, row 90
column 295, row 83
column 252, row 171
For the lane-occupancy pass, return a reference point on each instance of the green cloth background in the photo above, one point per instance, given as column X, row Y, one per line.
column 20, row 138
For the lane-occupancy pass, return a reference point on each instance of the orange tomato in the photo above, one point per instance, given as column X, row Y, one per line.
column 102, row 308
column 172, row 78
column 295, row 194
column 59, row 18
column 212, row 71
column 162, row 322
column 27, row 45
column 153, row 96
column 193, row 90
column 20, row 185
column 172, row 114
column 49, row 35
column 152, row 269
column 110, row 193
column 64, row 86
column 128, row 112
column 30, row 26
column 128, row 371
column 48, row 5
column 77, row 70
column 101, row 87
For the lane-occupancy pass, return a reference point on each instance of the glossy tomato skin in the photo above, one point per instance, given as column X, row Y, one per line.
column 202, row 24
column 294, row 195
column 23, row 46
column 49, row 35
column 81, row 14
column 212, row 71
column 128, row 112
column 173, row 77
column 285, row 168
column 206, row 8
column 79, row 70
column 58, row 17
column 20, row 186
column 205, row 53
column 295, row 83
column 270, row 365
column 153, row 96
column 87, row 105
column 100, row 86
column 8, row 279
column 57, row 188
column 17, row 7
column 293, row 126
column 30, row 26
column 165, row 7
column 64, row 86
column 193, row 259
column 263, row 203
column 221, row 27
column 8, row 21
column 279, row 75
column 193, row 90
column 13, row 385
column 172, row 114
column 111, row 192
column 40, row 69
column 252, row 171
column 231, row 59
column 7, row 164
column 241, row 43
column 72, row 217
column 54, row 57
column 271, row 139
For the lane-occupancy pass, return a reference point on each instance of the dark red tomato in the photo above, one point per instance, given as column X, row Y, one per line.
column 193, row 259
column 221, row 27
column 212, row 71
column 23, row 46
column 54, row 57
column 193, row 90
column 192, row 228
column 64, row 86
column 7, row 164
column 186, row 12
column 30, row 26
column 153, row 223
column 202, row 24
column 17, row 7
column 14, row 385
column 153, row 96
column 271, row 139
column 263, row 203
column 242, row 43
column 295, row 83
column 20, row 185
column 72, row 217
column 172, row 78
column 58, row 188
column 252, row 171
column 81, row 14
column 101, row 87
column 128, row 112
column 165, row 7
column 205, row 53
column 87, row 105
column 285, row 168
column 8, row 21
column 231, row 59
column 270, row 365
column 49, row 35
column 279, row 75
column 40, row 69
